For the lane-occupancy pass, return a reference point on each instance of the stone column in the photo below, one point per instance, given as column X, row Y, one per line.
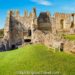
column 25, row 13
column 34, row 12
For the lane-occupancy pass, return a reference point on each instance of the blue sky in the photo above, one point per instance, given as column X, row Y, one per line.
column 64, row 6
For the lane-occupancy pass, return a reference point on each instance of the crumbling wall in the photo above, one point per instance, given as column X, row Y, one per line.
column 69, row 46
column 44, row 22
column 63, row 21
column 42, row 29
column 38, row 37
column 17, row 27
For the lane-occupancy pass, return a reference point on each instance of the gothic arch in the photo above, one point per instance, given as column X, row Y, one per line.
column 62, row 23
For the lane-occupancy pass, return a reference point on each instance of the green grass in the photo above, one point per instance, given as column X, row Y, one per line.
column 69, row 37
column 36, row 58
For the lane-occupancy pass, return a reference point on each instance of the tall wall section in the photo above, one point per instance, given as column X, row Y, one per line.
column 63, row 21
column 17, row 27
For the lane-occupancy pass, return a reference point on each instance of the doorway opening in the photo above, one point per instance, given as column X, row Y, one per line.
column 61, row 47
column 62, row 23
column 27, row 40
column 29, row 32
column 13, row 47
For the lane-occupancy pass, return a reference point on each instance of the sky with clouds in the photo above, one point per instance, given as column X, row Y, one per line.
column 63, row 6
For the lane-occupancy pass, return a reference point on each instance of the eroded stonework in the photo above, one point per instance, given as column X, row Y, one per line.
column 45, row 29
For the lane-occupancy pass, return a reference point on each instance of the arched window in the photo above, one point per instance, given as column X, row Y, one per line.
column 29, row 32
column 62, row 23
column 72, row 21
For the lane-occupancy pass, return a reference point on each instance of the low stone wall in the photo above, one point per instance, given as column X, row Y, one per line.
column 53, row 41
column 69, row 46
column 49, row 39
column 38, row 37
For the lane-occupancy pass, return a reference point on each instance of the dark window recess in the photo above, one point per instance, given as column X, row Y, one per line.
column 29, row 32
column 27, row 40
column 62, row 23
column 61, row 46
column 72, row 25
column 13, row 47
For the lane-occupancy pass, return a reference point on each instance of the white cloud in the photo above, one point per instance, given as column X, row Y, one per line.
column 43, row 2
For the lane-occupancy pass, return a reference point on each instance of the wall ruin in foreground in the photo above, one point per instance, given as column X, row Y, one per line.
column 45, row 29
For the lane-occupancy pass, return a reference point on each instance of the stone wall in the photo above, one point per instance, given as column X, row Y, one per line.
column 42, row 29
column 44, row 21
column 17, row 27
column 69, row 46
column 63, row 21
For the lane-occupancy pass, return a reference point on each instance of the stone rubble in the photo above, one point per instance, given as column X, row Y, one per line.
column 44, row 29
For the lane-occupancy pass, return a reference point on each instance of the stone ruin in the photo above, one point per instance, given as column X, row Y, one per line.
column 44, row 29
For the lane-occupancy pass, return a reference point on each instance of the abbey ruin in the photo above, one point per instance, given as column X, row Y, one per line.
column 44, row 29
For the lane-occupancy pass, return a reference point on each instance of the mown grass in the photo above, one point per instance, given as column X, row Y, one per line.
column 69, row 37
column 36, row 58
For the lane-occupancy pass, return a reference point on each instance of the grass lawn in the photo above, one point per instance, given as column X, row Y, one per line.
column 36, row 58
column 69, row 36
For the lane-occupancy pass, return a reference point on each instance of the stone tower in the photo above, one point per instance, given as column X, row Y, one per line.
column 44, row 22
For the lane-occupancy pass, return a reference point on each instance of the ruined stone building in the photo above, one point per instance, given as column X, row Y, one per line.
column 31, row 28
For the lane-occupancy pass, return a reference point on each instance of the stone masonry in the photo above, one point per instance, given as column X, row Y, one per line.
column 44, row 29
